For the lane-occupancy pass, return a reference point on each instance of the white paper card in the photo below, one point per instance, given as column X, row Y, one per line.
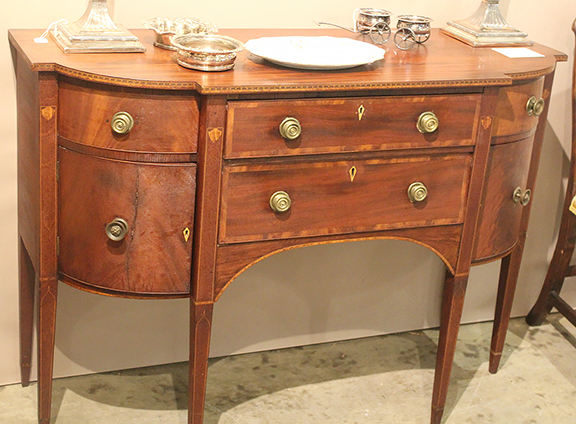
column 517, row 52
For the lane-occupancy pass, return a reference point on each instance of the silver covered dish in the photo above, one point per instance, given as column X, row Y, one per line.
column 166, row 28
column 211, row 52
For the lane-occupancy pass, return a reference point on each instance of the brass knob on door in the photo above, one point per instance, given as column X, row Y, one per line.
column 427, row 123
column 535, row 107
column 280, row 201
column 117, row 229
column 290, row 128
column 122, row 123
column 517, row 195
column 526, row 197
column 417, row 192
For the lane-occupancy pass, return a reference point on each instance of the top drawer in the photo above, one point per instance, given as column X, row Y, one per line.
column 513, row 116
column 163, row 122
column 349, row 124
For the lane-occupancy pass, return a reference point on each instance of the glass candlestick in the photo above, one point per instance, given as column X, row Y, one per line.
column 95, row 32
column 487, row 27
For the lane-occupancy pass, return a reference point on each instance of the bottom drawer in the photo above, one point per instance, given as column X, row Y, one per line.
column 156, row 204
column 341, row 197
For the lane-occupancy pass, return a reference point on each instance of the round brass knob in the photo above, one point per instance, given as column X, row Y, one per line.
column 122, row 123
column 539, row 107
column 280, row 201
column 526, row 197
column 427, row 123
column 530, row 106
column 117, row 229
column 290, row 128
column 417, row 192
column 517, row 195
column 535, row 107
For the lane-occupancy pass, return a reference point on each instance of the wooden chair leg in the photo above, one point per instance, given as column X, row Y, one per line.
column 200, row 329
column 48, row 293
column 509, row 270
column 558, row 269
column 452, row 304
column 27, row 282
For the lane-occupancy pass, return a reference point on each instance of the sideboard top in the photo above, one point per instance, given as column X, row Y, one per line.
column 441, row 62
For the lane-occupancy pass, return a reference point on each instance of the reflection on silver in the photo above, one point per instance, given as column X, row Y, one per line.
column 487, row 27
column 210, row 52
column 166, row 28
column 95, row 32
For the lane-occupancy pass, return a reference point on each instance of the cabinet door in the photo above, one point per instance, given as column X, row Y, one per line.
column 500, row 216
column 156, row 203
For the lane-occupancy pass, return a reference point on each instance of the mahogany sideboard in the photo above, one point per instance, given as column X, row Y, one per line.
column 141, row 179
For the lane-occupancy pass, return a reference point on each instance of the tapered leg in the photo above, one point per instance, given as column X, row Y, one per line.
column 452, row 304
column 200, row 328
column 48, row 293
column 27, row 288
column 509, row 270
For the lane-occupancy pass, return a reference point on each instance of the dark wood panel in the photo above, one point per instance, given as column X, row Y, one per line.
column 156, row 200
column 164, row 122
column 27, row 92
column 327, row 200
column 349, row 124
column 500, row 216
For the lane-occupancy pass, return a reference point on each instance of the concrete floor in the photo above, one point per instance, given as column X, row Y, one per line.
column 374, row 380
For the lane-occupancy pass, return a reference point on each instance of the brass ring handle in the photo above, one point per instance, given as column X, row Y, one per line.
column 417, row 192
column 280, row 202
column 535, row 107
column 539, row 107
column 117, row 229
column 290, row 128
column 122, row 123
column 427, row 123
column 517, row 195
column 526, row 197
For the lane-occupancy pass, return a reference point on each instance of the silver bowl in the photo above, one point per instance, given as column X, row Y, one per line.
column 210, row 52
column 166, row 28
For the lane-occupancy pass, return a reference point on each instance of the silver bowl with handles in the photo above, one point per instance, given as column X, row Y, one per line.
column 206, row 52
column 166, row 28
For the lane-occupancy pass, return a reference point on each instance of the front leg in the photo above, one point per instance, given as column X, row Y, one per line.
column 200, row 329
column 48, row 291
column 509, row 270
column 452, row 304
column 27, row 281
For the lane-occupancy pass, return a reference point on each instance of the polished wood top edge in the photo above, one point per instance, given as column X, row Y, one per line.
column 203, row 83
column 173, row 85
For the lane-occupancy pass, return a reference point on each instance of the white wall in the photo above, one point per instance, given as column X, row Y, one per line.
column 301, row 296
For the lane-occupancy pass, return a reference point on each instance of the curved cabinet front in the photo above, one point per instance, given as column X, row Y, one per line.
column 155, row 204
column 502, row 206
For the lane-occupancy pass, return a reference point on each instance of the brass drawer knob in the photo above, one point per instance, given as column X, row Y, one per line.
column 280, row 202
column 290, row 128
column 417, row 192
column 526, row 197
column 122, row 123
column 117, row 229
column 427, row 123
column 535, row 107
column 517, row 195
